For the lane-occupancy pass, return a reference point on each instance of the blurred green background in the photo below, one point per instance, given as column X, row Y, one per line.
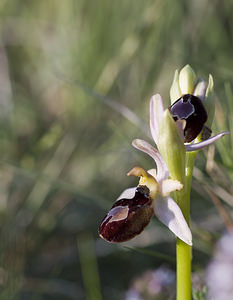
column 76, row 77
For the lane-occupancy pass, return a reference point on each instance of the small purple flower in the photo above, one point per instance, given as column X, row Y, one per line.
column 220, row 270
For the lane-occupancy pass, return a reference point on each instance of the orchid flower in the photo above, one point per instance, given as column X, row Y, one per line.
column 156, row 113
column 133, row 210
column 186, row 83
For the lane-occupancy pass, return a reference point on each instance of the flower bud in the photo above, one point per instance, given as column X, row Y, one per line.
column 187, row 80
column 209, row 101
column 175, row 92
column 172, row 147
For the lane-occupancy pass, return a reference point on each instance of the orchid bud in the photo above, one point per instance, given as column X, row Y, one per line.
column 209, row 101
column 172, row 147
column 175, row 91
column 187, row 80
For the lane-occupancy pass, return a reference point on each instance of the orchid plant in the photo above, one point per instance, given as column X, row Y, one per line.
column 178, row 132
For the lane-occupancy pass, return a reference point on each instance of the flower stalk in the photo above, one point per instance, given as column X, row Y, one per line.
column 185, row 81
column 179, row 132
column 184, row 251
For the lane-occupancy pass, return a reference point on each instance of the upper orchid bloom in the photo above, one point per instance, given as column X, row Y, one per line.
column 156, row 108
column 133, row 210
column 197, row 105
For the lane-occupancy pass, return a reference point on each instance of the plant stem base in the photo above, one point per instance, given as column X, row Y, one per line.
column 183, row 264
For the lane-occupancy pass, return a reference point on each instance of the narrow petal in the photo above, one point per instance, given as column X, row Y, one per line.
column 128, row 193
column 162, row 170
column 169, row 185
column 170, row 214
column 198, row 146
column 156, row 112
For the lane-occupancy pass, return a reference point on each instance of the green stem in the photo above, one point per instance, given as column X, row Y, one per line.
column 184, row 251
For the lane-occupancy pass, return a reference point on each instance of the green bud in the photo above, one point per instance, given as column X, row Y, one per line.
column 209, row 101
column 172, row 147
column 175, row 92
column 187, row 80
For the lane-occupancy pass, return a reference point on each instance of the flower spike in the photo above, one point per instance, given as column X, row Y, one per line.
column 173, row 130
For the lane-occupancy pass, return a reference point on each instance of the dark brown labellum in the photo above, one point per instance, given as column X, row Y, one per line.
column 127, row 217
column 191, row 109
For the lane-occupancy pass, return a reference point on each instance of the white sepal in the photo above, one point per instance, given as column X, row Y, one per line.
column 170, row 214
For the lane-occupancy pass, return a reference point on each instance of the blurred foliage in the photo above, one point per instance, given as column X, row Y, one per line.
column 68, row 72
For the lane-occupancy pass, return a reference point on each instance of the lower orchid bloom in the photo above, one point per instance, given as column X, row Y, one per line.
column 133, row 210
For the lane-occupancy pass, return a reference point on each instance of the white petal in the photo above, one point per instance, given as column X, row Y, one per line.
column 156, row 112
column 169, row 185
column 162, row 170
column 128, row 193
column 198, row 146
column 170, row 214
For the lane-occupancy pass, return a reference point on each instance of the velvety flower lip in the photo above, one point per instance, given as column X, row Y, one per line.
column 127, row 217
